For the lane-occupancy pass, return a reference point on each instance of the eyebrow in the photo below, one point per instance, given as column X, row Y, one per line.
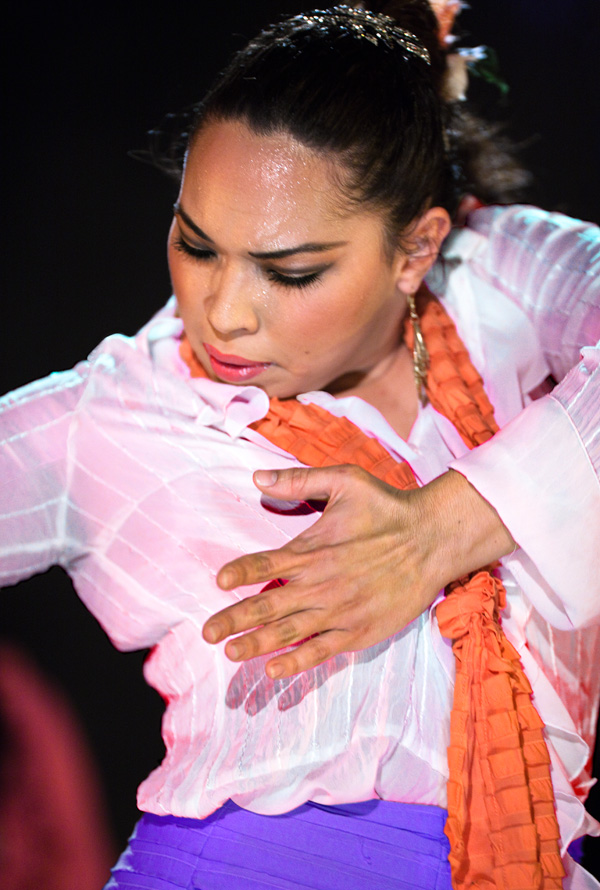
column 179, row 211
column 308, row 247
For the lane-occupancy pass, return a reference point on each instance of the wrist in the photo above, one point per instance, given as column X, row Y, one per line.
column 466, row 528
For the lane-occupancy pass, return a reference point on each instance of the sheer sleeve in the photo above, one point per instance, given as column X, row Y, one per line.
column 35, row 423
column 542, row 471
column 548, row 265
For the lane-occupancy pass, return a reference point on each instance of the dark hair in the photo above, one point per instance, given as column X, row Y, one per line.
column 340, row 82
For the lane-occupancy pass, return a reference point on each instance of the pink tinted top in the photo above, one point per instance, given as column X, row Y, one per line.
column 137, row 480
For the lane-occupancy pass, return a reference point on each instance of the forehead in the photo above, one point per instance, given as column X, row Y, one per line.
column 266, row 185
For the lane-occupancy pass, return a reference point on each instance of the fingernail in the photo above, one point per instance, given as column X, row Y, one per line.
column 212, row 632
column 226, row 579
column 266, row 477
column 275, row 671
column 234, row 651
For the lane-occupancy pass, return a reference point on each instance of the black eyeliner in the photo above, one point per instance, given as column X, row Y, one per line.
column 289, row 281
column 199, row 253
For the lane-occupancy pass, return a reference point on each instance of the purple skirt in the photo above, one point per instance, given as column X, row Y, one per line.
column 364, row 846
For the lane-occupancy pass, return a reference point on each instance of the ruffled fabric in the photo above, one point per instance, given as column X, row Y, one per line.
column 454, row 386
column 501, row 823
column 501, row 820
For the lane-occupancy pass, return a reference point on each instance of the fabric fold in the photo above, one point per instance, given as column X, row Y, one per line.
column 501, row 823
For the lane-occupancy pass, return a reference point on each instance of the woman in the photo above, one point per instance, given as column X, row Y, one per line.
column 301, row 235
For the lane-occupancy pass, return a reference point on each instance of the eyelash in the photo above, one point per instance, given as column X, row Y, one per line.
column 287, row 281
column 201, row 253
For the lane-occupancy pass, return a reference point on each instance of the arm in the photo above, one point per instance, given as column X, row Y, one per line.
column 34, row 431
column 541, row 473
column 549, row 266
column 369, row 566
column 548, row 274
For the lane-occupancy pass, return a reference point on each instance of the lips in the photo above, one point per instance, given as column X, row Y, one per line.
column 233, row 368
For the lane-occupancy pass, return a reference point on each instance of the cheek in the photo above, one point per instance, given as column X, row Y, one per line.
column 174, row 263
column 171, row 252
column 306, row 321
column 355, row 305
column 330, row 325
column 183, row 275
column 184, row 282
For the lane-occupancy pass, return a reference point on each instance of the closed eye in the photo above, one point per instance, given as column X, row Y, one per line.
column 199, row 253
column 298, row 281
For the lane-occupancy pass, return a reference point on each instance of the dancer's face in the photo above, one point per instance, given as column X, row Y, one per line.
column 279, row 280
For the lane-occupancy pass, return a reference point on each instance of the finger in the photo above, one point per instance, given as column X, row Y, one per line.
column 302, row 483
column 308, row 655
column 276, row 635
column 257, row 568
column 247, row 614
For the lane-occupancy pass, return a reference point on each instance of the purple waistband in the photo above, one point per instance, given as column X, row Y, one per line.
column 364, row 846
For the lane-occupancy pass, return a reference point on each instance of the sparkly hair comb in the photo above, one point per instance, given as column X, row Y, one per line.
column 374, row 27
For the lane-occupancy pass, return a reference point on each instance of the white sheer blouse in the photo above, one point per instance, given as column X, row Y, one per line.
column 137, row 480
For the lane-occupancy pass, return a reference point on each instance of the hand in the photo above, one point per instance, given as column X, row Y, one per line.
column 373, row 561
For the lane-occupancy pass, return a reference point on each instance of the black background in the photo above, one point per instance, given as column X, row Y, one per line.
column 84, row 252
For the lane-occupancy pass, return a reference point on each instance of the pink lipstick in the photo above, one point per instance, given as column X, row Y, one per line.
column 233, row 368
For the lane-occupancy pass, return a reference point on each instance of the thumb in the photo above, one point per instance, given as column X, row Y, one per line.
column 298, row 483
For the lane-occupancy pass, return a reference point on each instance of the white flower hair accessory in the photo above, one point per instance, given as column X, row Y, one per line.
column 446, row 12
column 478, row 60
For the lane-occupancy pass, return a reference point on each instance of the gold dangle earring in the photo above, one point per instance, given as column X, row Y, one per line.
column 420, row 353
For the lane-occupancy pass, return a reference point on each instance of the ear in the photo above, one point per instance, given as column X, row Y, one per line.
column 421, row 246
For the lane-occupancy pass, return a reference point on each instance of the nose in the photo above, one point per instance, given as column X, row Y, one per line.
column 231, row 307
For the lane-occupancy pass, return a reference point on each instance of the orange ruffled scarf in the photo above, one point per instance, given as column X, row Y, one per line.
column 501, row 818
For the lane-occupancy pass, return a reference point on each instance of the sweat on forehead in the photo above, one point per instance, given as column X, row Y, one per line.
column 272, row 162
column 270, row 279
column 358, row 88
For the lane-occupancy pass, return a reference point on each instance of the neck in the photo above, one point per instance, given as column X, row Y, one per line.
column 389, row 387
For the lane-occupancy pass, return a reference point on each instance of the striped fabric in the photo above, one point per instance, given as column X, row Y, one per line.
column 374, row 845
column 138, row 481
